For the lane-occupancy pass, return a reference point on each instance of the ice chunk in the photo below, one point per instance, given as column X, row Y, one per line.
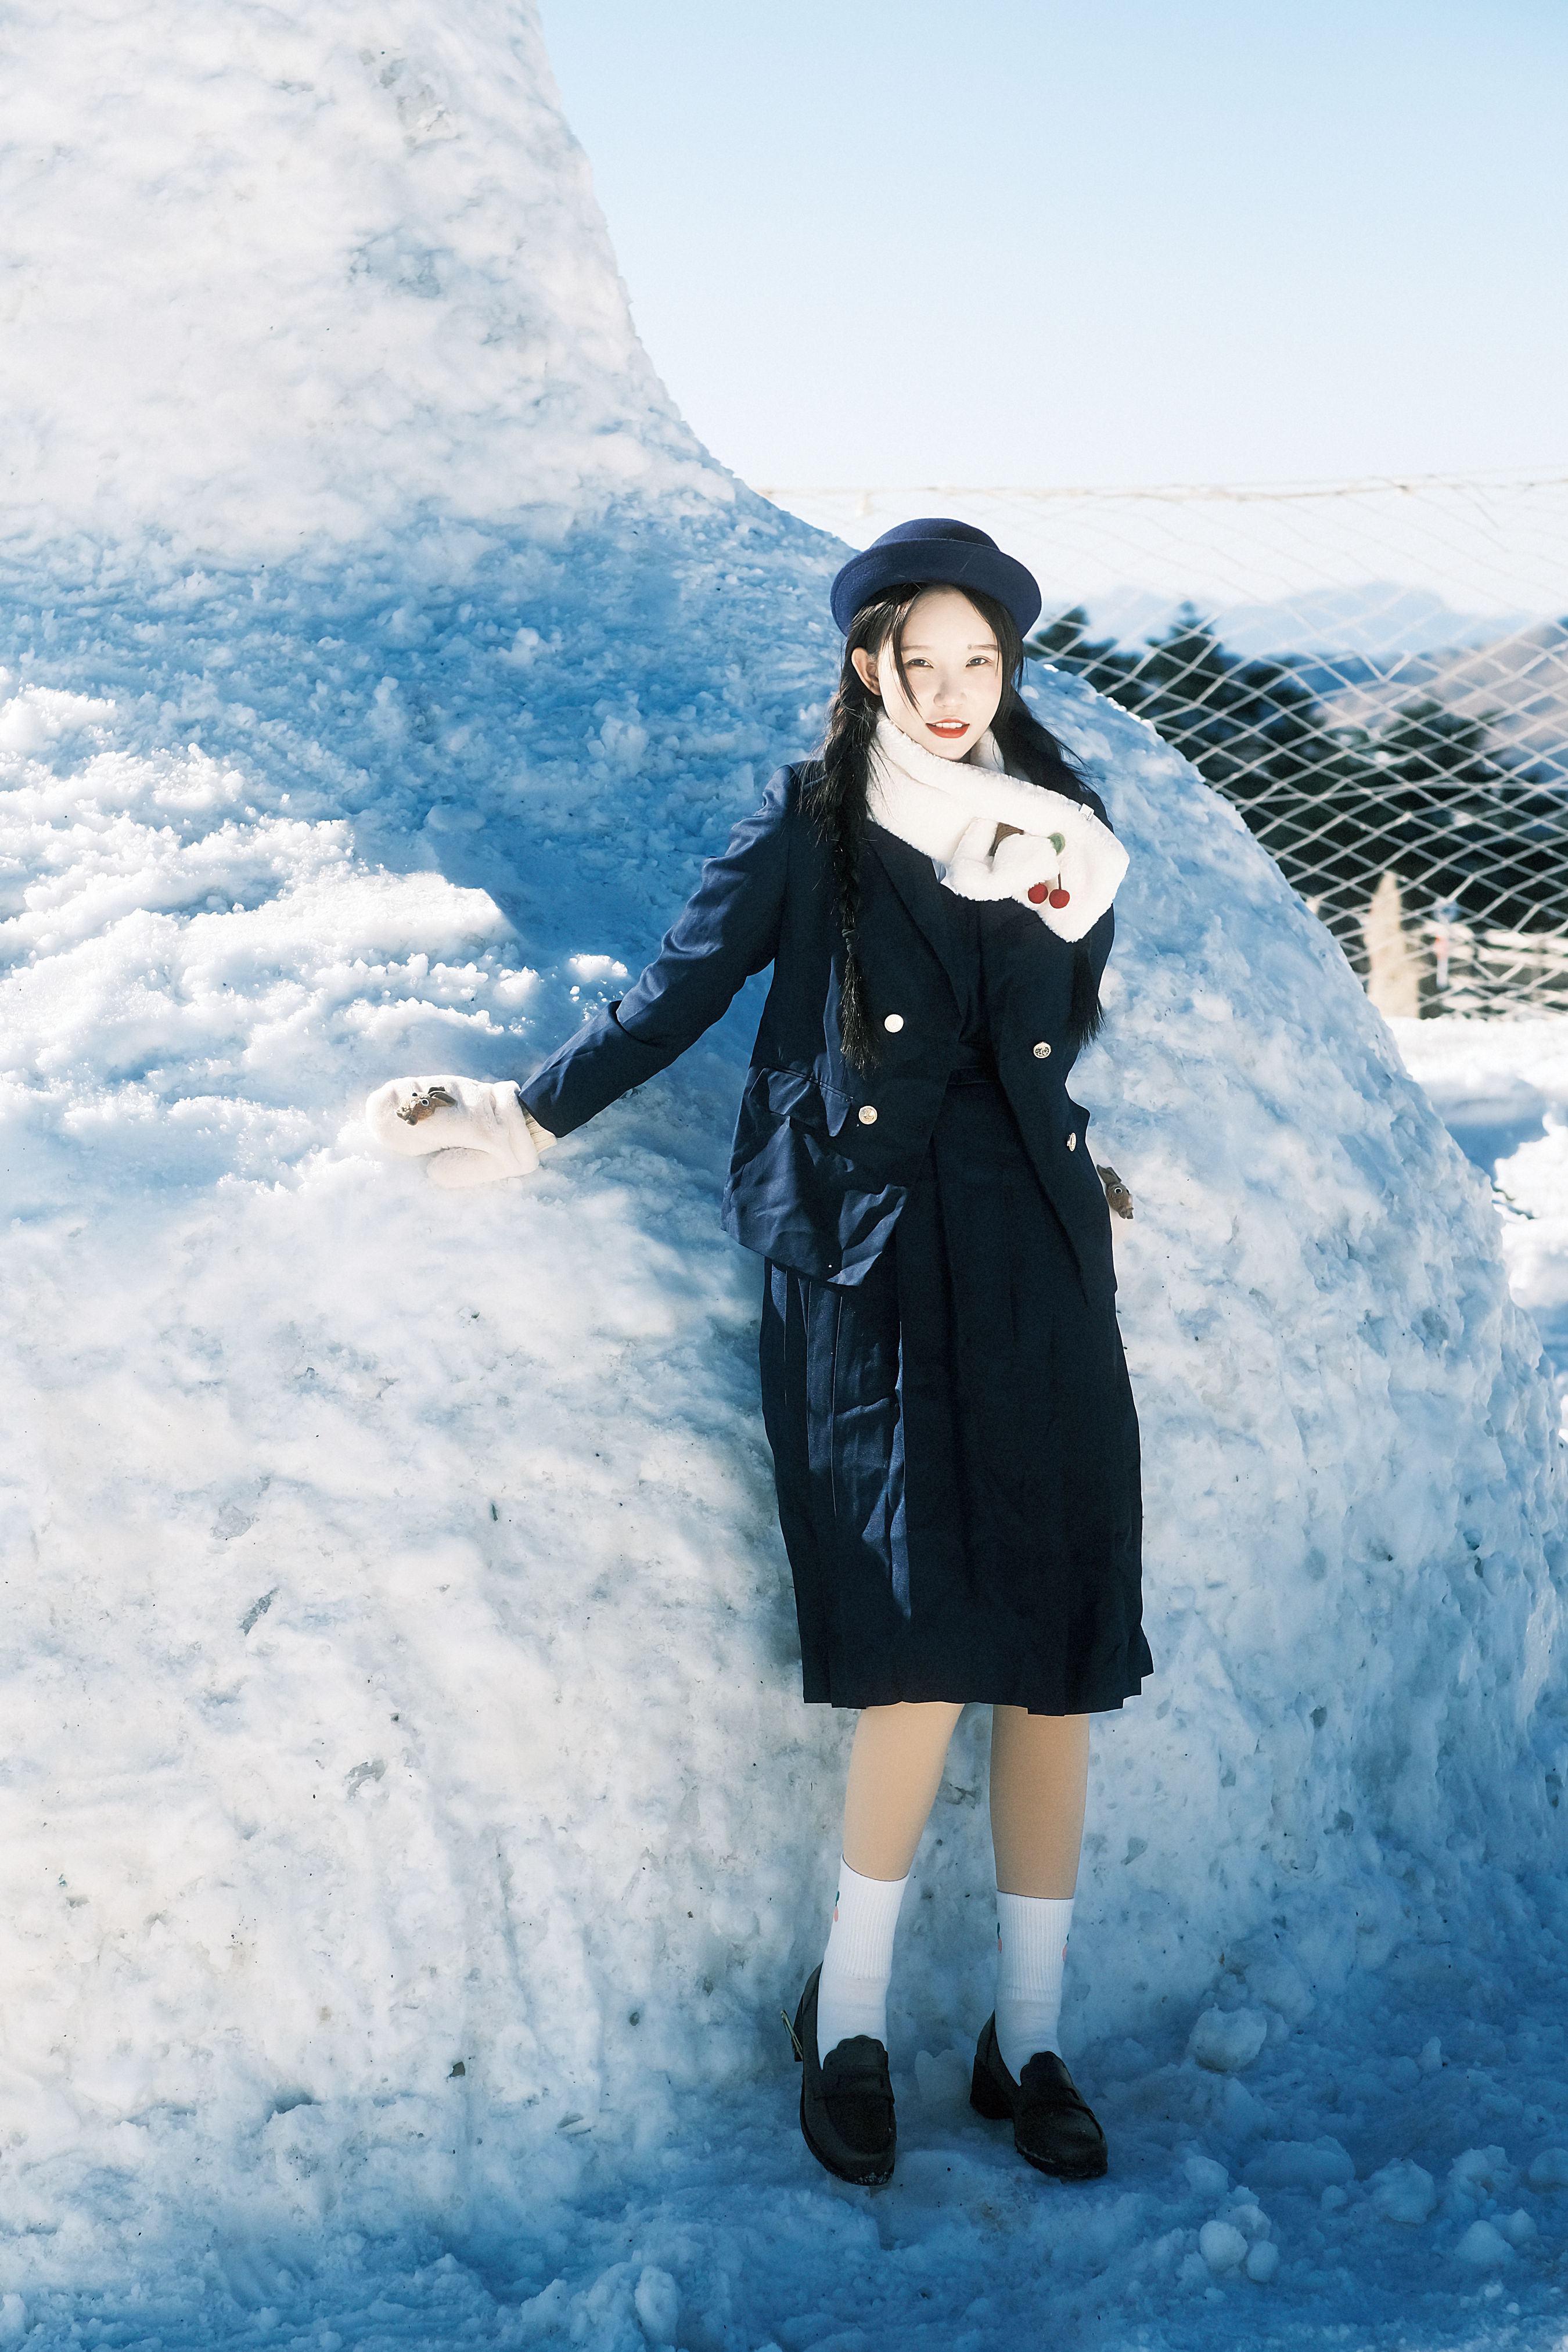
column 1249, row 2219
column 1403, row 2192
column 1485, row 2247
column 1479, row 2172
column 1262, row 2261
column 1226, row 2040
column 1208, row 2177
column 1222, row 2246
column 1550, row 2169
column 658, row 2302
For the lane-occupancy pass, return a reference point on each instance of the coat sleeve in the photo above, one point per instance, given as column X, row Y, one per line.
column 728, row 929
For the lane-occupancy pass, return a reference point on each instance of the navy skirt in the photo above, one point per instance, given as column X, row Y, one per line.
column 956, row 1449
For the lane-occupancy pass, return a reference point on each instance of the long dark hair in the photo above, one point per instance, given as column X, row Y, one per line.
column 835, row 798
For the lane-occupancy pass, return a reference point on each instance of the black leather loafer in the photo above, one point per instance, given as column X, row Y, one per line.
column 1053, row 2127
column 845, row 2102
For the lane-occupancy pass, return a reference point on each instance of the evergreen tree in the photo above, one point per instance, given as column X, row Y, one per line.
column 1337, row 806
column 1460, row 826
column 1255, row 732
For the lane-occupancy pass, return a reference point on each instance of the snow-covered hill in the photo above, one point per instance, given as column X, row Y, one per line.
column 276, row 278
column 411, row 1828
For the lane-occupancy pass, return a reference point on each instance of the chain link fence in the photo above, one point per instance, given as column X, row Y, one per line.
column 1375, row 674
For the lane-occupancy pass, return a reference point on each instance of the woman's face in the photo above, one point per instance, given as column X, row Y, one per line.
column 955, row 670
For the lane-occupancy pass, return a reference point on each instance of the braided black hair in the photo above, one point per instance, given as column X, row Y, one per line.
column 835, row 798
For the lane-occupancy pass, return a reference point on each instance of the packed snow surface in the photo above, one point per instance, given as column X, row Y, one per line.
column 275, row 279
column 1503, row 1089
column 411, row 1829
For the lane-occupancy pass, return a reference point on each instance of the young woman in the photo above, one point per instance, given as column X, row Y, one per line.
column 943, row 1386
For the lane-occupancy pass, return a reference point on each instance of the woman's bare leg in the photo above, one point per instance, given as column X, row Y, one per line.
column 1039, row 1772
column 895, row 1771
column 1039, row 1778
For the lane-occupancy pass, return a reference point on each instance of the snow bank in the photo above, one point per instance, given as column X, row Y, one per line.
column 1502, row 1088
column 279, row 277
column 409, row 1804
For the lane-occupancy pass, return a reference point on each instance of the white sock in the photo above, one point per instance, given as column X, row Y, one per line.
column 858, row 1966
column 1031, row 1946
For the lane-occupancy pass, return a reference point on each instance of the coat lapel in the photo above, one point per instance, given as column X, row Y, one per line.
column 912, row 877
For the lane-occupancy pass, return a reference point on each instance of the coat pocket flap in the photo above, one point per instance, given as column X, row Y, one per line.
column 798, row 1096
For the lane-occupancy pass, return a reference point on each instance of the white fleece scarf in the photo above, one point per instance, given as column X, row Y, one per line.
column 1062, row 862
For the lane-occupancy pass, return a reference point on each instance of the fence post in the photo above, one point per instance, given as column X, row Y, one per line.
column 1393, row 974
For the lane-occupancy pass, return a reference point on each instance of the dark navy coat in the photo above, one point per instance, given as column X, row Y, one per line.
column 825, row 1154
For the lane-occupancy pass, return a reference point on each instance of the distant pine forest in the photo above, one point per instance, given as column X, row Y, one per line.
column 1473, row 827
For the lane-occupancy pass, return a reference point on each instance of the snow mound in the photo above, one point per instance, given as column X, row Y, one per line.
column 292, row 274
column 409, row 1793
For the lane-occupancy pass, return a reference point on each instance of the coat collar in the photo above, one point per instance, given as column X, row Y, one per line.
column 912, row 876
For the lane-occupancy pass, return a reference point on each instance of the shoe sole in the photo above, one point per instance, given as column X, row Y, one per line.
column 1065, row 2171
column 988, row 2101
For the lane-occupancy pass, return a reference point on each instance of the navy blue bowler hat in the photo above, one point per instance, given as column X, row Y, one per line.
column 935, row 552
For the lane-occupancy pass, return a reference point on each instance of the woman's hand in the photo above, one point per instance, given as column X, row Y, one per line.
column 477, row 1131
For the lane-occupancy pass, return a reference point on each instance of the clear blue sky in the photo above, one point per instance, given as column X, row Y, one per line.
column 997, row 241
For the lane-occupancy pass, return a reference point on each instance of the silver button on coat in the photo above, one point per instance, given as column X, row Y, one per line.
column 1072, row 1140
column 1042, row 1052
column 868, row 1116
column 893, row 1021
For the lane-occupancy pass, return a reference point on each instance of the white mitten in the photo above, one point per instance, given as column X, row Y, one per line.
column 477, row 1131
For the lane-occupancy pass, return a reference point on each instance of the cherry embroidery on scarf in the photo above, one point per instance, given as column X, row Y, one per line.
column 1038, row 895
column 1059, row 896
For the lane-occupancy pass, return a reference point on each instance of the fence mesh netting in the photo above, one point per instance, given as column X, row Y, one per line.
column 1375, row 674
